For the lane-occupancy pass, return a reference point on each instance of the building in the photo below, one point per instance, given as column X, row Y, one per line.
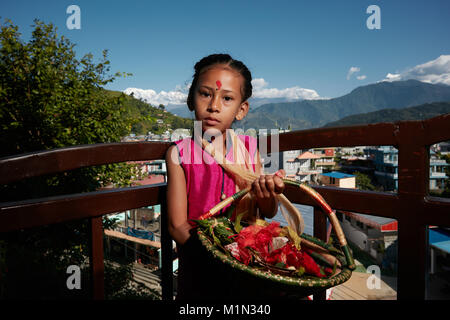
column 179, row 134
column 359, row 164
column 153, row 171
column 385, row 159
column 338, row 179
column 300, row 165
column 371, row 234
column 326, row 161
column 439, row 240
column 442, row 147
column 351, row 151
column 437, row 172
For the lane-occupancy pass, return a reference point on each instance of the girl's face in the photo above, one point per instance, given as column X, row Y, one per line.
column 217, row 98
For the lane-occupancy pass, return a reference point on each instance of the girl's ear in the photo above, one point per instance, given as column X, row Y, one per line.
column 243, row 110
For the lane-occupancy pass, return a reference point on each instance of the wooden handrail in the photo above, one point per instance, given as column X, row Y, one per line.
column 411, row 205
column 40, row 163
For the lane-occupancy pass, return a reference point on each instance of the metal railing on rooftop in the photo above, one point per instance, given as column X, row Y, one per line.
column 411, row 205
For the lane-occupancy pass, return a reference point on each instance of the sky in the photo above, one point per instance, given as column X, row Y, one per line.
column 294, row 49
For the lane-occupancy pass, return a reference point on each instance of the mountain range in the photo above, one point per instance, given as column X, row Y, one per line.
column 424, row 111
column 378, row 102
column 317, row 113
column 182, row 110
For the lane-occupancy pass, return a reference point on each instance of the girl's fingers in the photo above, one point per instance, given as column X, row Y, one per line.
column 279, row 184
column 257, row 189
column 268, row 186
column 263, row 180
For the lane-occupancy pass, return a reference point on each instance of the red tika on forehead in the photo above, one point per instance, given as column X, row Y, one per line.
column 219, row 84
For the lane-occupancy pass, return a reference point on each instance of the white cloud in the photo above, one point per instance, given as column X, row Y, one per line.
column 392, row 77
column 351, row 71
column 259, row 83
column 434, row 71
column 260, row 90
column 361, row 77
column 154, row 98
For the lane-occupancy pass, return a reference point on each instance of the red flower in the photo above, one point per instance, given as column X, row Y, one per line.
column 286, row 255
column 291, row 257
column 310, row 265
column 258, row 238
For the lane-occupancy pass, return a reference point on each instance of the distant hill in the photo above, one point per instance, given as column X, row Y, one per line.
column 422, row 112
column 316, row 113
column 150, row 114
column 183, row 110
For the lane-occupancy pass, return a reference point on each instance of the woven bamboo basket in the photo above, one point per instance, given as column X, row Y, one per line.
column 269, row 281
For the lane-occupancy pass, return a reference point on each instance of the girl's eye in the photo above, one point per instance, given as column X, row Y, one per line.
column 228, row 98
column 204, row 93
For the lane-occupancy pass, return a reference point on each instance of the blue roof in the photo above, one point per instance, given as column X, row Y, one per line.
column 338, row 175
column 439, row 238
column 444, row 246
column 438, row 235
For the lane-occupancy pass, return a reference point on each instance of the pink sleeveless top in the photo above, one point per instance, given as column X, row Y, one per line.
column 206, row 180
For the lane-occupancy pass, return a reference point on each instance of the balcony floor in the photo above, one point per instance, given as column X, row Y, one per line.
column 356, row 289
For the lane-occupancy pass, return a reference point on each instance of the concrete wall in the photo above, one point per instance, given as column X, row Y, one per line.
column 347, row 183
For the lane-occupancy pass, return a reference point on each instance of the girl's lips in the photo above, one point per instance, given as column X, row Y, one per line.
column 211, row 122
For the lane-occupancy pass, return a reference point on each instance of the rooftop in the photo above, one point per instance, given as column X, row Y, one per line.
column 338, row 175
column 440, row 238
column 308, row 155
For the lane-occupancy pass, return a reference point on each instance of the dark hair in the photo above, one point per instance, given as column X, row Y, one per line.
column 220, row 58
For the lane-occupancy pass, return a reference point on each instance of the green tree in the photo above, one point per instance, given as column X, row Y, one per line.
column 363, row 182
column 50, row 99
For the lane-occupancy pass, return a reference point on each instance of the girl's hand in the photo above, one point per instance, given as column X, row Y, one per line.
column 268, row 186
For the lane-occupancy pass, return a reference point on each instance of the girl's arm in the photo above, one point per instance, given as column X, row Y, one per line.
column 265, row 193
column 176, row 198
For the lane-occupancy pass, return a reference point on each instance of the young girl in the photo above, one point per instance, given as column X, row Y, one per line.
column 198, row 180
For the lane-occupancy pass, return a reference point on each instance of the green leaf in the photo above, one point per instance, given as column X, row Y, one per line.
column 294, row 237
column 261, row 222
column 237, row 222
column 300, row 271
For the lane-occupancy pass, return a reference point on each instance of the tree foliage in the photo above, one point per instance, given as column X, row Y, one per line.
column 363, row 182
column 51, row 99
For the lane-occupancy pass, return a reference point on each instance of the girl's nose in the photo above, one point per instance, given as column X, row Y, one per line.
column 214, row 104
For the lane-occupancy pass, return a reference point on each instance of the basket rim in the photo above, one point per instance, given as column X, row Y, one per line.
column 303, row 282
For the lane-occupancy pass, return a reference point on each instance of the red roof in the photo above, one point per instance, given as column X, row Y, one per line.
column 380, row 223
column 308, row 155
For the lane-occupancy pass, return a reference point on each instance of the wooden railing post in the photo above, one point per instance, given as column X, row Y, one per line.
column 413, row 185
column 166, row 252
column 320, row 232
column 97, row 265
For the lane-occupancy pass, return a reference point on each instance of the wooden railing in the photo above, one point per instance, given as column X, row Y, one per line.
column 411, row 205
